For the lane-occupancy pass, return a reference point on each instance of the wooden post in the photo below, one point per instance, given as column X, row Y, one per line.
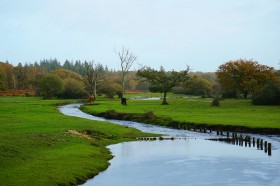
column 249, row 141
column 269, row 149
column 258, row 143
column 227, row 134
column 265, row 146
column 261, row 144
column 253, row 141
column 218, row 132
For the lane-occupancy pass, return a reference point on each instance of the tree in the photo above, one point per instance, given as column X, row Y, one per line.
column 244, row 77
column 268, row 95
column 163, row 81
column 91, row 76
column 200, row 86
column 73, row 88
column 64, row 74
column 3, row 79
column 50, row 86
column 127, row 59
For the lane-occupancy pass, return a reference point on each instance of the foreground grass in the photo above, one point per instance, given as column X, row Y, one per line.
column 197, row 110
column 36, row 149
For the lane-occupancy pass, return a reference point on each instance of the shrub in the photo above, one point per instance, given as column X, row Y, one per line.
column 215, row 102
column 73, row 89
column 268, row 95
column 149, row 115
column 50, row 86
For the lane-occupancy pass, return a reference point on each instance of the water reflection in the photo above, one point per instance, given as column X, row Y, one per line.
column 188, row 162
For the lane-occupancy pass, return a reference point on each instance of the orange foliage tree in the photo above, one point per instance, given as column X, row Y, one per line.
column 244, row 77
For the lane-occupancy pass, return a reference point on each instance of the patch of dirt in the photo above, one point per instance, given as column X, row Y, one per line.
column 75, row 132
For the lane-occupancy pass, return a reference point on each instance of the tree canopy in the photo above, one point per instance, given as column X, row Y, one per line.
column 161, row 80
column 50, row 86
column 244, row 77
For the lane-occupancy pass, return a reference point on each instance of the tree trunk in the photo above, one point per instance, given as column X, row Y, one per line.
column 164, row 102
column 123, row 86
column 94, row 93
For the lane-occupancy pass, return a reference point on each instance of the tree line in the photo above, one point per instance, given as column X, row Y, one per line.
column 234, row 79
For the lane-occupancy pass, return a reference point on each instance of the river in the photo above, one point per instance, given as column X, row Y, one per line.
column 188, row 161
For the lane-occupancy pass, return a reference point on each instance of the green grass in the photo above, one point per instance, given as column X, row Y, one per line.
column 36, row 150
column 236, row 112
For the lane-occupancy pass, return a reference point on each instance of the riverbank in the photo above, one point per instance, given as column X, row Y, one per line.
column 40, row 146
column 189, row 113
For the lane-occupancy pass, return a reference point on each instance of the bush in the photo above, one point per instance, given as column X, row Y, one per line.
column 73, row 89
column 215, row 102
column 268, row 95
column 50, row 86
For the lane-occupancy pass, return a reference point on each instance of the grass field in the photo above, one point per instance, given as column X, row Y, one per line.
column 237, row 112
column 37, row 149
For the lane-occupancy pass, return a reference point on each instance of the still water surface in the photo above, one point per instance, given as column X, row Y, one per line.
column 191, row 161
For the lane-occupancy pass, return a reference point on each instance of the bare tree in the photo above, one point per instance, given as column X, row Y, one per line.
column 127, row 59
column 92, row 74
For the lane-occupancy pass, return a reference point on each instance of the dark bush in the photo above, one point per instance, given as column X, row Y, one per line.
column 215, row 102
column 149, row 115
column 268, row 95
column 111, row 114
column 73, row 89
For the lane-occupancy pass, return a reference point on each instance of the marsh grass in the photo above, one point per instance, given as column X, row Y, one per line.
column 36, row 149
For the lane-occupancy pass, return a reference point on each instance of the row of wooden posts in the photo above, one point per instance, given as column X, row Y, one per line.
column 233, row 139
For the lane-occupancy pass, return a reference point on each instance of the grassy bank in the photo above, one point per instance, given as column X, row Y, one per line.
column 40, row 146
column 233, row 114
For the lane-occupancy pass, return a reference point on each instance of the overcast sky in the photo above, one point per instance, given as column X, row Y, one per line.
column 173, row 33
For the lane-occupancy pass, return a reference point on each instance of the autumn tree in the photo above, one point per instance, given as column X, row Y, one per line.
column 163, row 81
column 9, row 76
column 73, row 84
column 244, row 77
column 3, row 79
column 127, row 59
column 64, row 74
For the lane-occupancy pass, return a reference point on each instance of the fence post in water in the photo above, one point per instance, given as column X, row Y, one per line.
column 227, row 134
column 261, row 144
column 258, row 143
column 249, row 140
column 265, row 146
column 218, row 132
column 241, row 139
column 269, row 149
column 253, row 141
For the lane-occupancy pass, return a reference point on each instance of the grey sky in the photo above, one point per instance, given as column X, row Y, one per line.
column 173, row 33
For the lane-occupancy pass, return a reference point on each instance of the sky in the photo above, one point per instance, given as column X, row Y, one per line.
column 201, row 34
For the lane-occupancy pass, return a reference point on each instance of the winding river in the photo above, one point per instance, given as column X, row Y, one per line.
column 189, row 161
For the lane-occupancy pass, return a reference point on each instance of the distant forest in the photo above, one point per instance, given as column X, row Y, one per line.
column 233, row 79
